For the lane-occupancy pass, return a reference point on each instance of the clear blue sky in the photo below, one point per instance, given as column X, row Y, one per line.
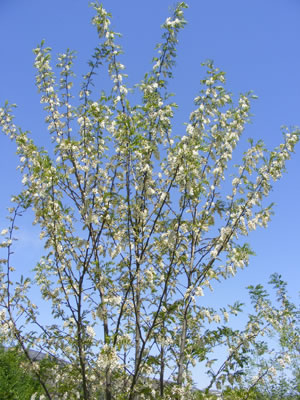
column 255, row 41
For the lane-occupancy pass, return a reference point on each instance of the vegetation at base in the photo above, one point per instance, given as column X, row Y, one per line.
column 17, row 381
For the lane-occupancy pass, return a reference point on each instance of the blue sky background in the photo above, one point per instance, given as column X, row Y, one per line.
column 256, row 42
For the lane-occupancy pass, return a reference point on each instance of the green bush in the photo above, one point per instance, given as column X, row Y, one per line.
column 16, row 382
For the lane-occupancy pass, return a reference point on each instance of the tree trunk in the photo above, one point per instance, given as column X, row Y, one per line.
column 181, row 350
column 162, row 371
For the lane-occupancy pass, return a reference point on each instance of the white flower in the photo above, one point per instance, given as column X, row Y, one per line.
column 235, row 181
column 273, row 371
column 226, row 316
column 251, row 225
column 2, row 315
column 216, row 318
column 214, row 129
column 199, row 291
column 287, row 359
column 90, row 331
column 214, row 253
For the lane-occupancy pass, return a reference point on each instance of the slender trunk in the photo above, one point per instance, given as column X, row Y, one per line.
column 108, row 376
column 83, row 370
column 162, row 371
column 181, row 361
column 82, row 359
column 182, row 358
column 137, row 329
column 108, row 382
column 162, row 359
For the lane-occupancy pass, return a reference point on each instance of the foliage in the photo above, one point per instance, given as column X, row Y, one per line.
column 137, row 225
column 284, row 392
column 16, row 379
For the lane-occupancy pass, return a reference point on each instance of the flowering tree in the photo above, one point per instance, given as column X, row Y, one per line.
column 136, row 227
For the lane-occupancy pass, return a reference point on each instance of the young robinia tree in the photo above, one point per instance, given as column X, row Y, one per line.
column 136, row 226
column 272, row 370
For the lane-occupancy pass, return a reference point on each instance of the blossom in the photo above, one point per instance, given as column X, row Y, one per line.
column 199, row 291
column 90, row 331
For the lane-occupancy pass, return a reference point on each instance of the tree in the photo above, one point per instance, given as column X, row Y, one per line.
column 136, row 226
